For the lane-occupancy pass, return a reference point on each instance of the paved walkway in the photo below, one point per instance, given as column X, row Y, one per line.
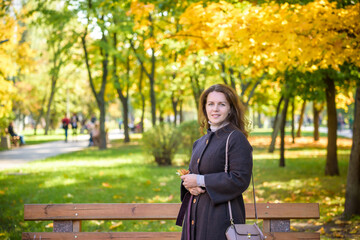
column 340, row 133
column 18, row 156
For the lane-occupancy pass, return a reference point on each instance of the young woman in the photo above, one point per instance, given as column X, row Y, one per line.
column 206, row 190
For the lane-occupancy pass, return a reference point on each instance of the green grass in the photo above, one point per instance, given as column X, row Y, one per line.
column 268, row 132
column 124, row 173
column 40, row 137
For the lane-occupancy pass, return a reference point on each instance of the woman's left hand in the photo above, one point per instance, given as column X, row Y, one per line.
column 196, row 191
column 189, row 180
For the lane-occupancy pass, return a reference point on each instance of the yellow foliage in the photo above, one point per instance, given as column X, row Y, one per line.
column 7, row 93
column 141, row 12
column 15, row 56
column 311, row 36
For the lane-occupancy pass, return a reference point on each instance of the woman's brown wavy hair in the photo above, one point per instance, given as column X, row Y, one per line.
column 237, row 109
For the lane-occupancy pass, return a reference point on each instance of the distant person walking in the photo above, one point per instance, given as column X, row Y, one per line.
column 74, row 123
column 65, row 125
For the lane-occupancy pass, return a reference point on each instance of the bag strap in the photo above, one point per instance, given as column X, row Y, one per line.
column 252, row 180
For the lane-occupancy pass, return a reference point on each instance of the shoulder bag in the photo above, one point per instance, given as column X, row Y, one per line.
column 241, row 231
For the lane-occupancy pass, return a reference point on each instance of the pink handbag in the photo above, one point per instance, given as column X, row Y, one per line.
column 241, row 231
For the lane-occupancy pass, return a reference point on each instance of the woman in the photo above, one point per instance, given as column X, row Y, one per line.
column 206, row 190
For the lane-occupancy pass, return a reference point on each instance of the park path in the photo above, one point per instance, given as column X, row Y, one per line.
column 22, row 155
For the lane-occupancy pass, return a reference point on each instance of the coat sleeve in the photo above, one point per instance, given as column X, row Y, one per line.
column 183, row 190
column 222, row 186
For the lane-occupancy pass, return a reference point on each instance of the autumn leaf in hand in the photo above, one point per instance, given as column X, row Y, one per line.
column 182, row 172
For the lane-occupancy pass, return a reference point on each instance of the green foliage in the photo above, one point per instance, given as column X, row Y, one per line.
column 162, row 142
column 189, row 131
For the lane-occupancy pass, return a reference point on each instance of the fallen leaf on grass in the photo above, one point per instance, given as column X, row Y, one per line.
column 115, row 225
column 107, row 185
column 321, row 230
column 50, row 225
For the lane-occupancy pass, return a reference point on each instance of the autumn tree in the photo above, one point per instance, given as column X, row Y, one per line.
column 96, row 58
column 54, row 25
column 308, row 37
column 15, row 57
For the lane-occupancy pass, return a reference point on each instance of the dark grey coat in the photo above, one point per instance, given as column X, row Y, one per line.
column 209, row 216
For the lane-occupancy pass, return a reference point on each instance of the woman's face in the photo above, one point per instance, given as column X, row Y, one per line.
column 217, row 108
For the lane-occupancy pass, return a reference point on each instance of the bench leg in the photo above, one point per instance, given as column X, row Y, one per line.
column 276, row 225
column 67, row 226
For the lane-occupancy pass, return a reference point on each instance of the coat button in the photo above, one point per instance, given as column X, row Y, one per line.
column 194, row 201
column 198, row 160
column 207, row 141
column 192, row 222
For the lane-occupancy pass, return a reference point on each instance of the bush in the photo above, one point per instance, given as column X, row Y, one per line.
column 162, row 142
column 189, row 133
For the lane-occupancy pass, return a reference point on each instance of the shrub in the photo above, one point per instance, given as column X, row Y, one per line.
column 162, row 142
column 189, row 133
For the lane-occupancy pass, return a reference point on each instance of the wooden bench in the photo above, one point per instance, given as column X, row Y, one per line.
column 67, row 219
column 14, row 140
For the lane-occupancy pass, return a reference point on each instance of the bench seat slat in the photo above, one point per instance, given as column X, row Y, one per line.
column 154, row 211
column 149, row 236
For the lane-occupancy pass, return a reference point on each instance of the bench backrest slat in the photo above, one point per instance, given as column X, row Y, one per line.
column 157, row 211
column 152, row 235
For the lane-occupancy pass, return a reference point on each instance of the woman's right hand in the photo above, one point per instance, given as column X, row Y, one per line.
column 196, row 190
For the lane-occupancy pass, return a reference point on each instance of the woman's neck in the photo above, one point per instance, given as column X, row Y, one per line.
column 213, row 128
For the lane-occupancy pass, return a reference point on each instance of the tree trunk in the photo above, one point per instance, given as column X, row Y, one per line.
column 276, row 127
column 123, row 98
column 260, row 125
column 181, row 112
column 152, row 79
column 301, row 120
column 232, row 79
column 282, row 133
column 99, row 96
column 102, row 125
column 332, row 167
column 101, row 103
column 352, row 196
column 174, row 99
column 316, row 121
column 124, row 103
column 40, row 114
column 142, row 101
column 52, row 93
column 197, row 90
column 150, row 75
column 174, row 102
column 293, row 120
column 223, row 71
